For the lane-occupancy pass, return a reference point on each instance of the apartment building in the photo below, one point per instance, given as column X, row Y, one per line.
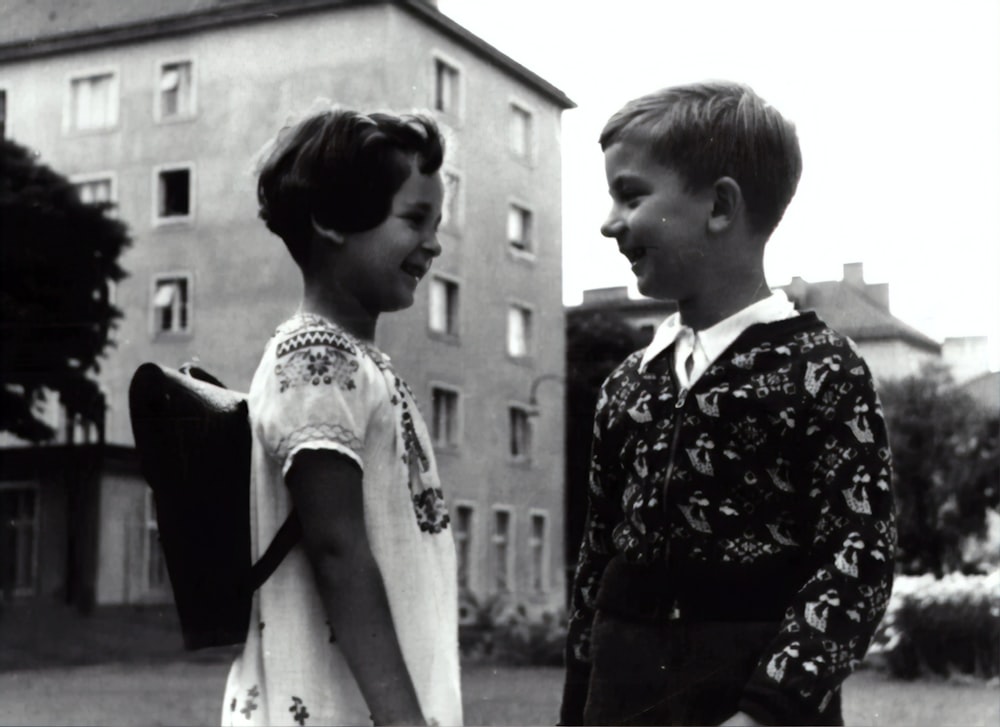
column 161, row 109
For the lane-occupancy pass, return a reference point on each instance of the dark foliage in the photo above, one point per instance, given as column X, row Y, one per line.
column 946, row 469
column 596, row 342
column 58, row 255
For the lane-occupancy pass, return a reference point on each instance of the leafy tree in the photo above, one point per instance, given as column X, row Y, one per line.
column 596, row 342
column 946, row 466
column 57, row 255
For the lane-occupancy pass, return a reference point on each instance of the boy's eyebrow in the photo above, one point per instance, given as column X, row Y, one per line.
column 622, row 180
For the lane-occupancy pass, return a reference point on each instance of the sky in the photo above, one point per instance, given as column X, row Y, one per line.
column 897, row 107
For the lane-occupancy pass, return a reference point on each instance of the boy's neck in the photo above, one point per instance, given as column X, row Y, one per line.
column 718, row 302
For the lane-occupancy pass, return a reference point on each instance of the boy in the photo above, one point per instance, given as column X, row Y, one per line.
column 738, row 553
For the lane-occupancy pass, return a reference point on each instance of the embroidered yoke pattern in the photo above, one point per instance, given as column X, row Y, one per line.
column 765, row 490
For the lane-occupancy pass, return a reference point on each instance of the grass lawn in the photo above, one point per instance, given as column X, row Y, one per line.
column 125, row 667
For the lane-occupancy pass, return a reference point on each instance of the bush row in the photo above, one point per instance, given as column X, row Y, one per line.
column 941, row 626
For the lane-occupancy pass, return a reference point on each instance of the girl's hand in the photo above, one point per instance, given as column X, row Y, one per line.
column 740, row 719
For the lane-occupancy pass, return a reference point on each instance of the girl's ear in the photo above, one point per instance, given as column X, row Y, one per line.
column 727, row 204
column 325, row 232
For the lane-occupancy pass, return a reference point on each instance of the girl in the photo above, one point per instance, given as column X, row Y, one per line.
column 359, row 624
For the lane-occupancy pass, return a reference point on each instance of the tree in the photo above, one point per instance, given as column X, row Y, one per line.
column 57, row 256
column 596, row 342
column 946, row 467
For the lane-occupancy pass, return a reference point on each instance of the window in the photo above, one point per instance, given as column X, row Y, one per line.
column 520, row 433
column 443, row 306
column 173, row 194
column 94, row 190
column 519, row 331
column 155, row 566
column 93, row 102
column 463, row 545
column 451, row 211
column 176, row 90
column 171, row 304
column 446, row 91
column 538, row 540
column 19, row 533
column 519, row 228
column 444, row 416
column 503, row 581
column 520, row 131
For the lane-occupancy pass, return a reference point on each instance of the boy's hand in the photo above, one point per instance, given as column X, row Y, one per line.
column 740, row 719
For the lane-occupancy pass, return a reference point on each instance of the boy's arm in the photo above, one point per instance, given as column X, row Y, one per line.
column 326, row 489
column 595, row 552
column 829, row 625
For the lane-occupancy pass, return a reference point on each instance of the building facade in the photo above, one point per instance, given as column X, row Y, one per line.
column 162, row 111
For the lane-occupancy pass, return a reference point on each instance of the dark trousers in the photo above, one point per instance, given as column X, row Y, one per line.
column 670, row 672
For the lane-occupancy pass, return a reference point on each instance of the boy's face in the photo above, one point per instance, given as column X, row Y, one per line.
column 660, row 227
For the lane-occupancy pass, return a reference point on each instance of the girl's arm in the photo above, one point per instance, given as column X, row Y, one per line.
column 326, row 489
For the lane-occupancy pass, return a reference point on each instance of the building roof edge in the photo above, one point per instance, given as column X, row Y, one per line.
column 249, row 11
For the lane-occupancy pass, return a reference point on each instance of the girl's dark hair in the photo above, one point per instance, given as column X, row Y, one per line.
column 340, row 169
column 705, row 131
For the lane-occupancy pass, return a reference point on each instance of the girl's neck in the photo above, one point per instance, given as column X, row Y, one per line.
column 345, row 311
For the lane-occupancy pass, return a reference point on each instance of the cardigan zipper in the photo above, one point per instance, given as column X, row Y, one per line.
column 678, row 418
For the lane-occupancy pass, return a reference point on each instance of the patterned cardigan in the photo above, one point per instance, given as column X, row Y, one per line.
column 765, row 489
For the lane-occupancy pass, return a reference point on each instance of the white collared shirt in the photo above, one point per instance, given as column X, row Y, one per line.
column 704, row 347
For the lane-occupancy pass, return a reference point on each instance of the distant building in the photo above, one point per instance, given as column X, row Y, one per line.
column 160, row 108
column 859, row 310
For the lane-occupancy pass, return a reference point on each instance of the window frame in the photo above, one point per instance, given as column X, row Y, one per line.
column 456, row 222
column 155, row 331
column 110, row 175
column 30, row 589
column 545, row 574
column 529, row 338
column 510, row 572
column 471, row 540
column 166, row 221
column 517, row 106
column 70, row 126
column 527, row 214
column 455, row 443
column 5, row 112
column 526, row 411
column 151, row 528
column 450, row 281
column 438, row 58
column 158, row 114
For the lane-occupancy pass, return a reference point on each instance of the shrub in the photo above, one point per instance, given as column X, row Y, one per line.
column 941, row 626
column 505, row 632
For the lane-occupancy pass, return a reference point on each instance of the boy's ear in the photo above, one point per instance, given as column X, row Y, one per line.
column 727, row 204
column 325, row 232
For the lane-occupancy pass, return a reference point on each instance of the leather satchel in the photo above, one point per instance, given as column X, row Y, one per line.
column 192, row 435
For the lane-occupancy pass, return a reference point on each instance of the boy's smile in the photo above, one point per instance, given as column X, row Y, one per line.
column 660, row 226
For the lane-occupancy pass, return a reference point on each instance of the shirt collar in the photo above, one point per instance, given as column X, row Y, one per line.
column 716, row 339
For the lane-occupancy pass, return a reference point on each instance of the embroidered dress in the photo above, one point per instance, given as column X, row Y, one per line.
column 739, row 547
column 318, row 387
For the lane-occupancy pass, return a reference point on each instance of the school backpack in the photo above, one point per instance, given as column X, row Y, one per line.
column 192, row 435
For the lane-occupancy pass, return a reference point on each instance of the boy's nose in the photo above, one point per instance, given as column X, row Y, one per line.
column 613, row 226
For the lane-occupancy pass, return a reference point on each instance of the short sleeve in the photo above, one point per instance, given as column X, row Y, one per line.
column 318, row 391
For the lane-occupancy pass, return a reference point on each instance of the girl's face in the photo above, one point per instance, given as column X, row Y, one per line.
column 381, row 267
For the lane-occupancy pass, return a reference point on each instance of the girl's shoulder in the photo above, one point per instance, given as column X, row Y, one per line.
column 309, row 330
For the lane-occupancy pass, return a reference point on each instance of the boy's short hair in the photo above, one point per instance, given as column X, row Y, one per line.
column 705, row 131
column 339, row 169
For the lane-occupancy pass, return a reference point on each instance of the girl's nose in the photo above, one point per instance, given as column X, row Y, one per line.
column 432, row 245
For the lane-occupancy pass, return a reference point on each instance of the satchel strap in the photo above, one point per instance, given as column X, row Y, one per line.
column 284, row 540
